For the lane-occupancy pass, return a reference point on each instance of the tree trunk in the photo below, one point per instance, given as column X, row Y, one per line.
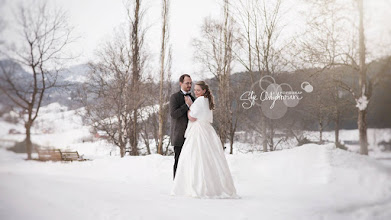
column 231, row 144
column 222, row 114
column 320, row 131
column 337, row 130
column 264, row 134
column 122, row 151
column 147, row 146
column 271, row 146
column 362, row 127
column 162, row 72
column 28, row 140
column 362, row 120
column 161, row 123
column 135, row 134
column 136, row 68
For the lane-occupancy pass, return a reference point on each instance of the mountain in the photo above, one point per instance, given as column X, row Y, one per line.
column 75, row 74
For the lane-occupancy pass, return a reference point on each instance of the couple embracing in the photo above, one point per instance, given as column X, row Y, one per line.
column 200, row 168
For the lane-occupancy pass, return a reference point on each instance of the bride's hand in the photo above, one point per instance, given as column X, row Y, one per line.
column 188, row 101
column 191, row 118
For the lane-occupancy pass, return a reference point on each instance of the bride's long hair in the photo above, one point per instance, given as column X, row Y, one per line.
column 208, row 94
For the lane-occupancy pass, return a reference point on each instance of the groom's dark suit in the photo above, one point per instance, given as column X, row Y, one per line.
column 179, row 120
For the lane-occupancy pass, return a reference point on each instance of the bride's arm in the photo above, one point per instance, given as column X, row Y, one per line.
column 191, row 118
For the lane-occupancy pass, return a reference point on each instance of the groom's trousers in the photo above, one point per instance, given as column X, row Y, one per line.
column 177, row 150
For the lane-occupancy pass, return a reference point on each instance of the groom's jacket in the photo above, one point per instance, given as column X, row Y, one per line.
column 179, row 119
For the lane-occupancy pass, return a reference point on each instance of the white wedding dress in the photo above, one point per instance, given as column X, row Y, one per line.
column 202, row 170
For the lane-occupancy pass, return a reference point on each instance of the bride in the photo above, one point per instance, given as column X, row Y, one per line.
column 203, row 171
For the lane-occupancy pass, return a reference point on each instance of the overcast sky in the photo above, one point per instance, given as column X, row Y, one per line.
column 95, row 20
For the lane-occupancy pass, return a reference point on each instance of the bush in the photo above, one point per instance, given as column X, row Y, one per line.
column 20, row 147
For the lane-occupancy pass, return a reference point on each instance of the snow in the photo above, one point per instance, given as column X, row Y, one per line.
column 76, row 74
column 362, row 103
column 307, row 182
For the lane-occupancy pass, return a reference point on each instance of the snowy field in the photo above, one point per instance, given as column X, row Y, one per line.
column 307, row 182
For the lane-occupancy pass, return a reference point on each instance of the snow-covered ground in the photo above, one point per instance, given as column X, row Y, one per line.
column 307, row 182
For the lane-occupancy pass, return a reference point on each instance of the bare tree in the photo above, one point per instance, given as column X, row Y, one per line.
column 135, row 13
column 114, row 95
column 260, row 28
column 44, row 34
column 165, row 64
column 105, row 94
column 318, row 107
column 236, row 110
column 337, row 38
column 364, row 86
column 214, row 51
column 341, row 101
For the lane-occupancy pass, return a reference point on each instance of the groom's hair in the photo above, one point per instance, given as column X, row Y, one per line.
column 182, row 78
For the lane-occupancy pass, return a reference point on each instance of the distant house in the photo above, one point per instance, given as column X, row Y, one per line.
column 101, row 134
column 14, row 131
column 47, row 131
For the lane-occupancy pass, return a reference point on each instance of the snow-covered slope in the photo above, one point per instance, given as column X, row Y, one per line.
column 56, row 127
column 308, row 182
column 75, row 74
column 61, row 128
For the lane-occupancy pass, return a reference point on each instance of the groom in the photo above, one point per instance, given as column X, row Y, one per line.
column 180, row 103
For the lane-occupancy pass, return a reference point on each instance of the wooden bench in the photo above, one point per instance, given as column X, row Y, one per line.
column 71, row 156
column 49, row 154
column 58, row 155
